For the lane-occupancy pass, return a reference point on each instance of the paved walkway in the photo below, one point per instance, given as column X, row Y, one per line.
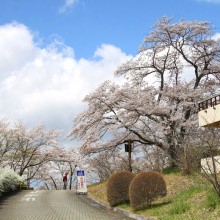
column 54, row 205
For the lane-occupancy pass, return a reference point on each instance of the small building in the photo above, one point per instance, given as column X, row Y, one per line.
column 207, row 165
column 209, row 112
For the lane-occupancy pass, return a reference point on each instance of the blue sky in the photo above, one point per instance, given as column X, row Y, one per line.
column 54, row 52
column 86, row 24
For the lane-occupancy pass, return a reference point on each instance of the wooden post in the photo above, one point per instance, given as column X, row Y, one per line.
column 128, row 148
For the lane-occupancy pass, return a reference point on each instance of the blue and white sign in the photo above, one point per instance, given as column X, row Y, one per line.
column 81, row 182
column 80, row 173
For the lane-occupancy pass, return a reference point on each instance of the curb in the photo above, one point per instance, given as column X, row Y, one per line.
column 118, row 210
column 131, row 215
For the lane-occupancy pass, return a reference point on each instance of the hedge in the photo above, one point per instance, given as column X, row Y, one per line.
column 9, row 181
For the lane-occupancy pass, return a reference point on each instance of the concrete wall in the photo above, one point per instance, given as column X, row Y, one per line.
column 207, row 165
column 210, row 117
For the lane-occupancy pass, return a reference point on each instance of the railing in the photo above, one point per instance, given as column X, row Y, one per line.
column 23, row 186
column 211, row 102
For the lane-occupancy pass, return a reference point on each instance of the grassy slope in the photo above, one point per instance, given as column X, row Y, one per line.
column 188, row 197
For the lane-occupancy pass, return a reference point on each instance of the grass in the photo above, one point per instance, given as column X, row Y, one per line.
column 98, row 190
column 212, row 200
column 188, row 197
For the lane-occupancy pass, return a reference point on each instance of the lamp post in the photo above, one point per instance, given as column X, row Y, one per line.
column 128, row 148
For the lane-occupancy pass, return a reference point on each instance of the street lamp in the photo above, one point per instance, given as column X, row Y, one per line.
column 128, row 148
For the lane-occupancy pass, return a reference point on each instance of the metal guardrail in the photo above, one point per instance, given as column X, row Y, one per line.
column 211, row 102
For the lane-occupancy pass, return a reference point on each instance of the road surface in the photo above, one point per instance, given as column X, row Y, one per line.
column 54, row 205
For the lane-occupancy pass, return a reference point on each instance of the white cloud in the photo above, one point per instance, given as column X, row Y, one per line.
column 48, row 84
column 67, row 5
column 15, row 39
column 216, row 36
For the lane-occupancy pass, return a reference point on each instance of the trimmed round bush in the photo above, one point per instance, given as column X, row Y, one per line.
column 145, row 187
column 118, row 187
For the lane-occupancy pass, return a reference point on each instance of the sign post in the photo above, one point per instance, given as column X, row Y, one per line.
column 81, row 186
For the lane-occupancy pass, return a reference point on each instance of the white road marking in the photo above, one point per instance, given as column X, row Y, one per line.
column 30, row 196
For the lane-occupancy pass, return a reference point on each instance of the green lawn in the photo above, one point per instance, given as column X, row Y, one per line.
column 188, row 197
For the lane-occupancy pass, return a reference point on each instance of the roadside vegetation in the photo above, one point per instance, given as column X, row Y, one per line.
column 188, row 197
column 9, row 181
column 155, row 112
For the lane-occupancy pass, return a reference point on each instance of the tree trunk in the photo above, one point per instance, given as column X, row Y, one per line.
column 71, row 179
column 54, row 183
column 173, row 156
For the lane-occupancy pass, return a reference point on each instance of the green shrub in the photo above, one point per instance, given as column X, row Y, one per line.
column 9, row 181
column 146, row 187
column 118, row 187
column 173, row 170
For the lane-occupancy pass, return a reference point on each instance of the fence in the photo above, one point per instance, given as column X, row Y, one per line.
column 211, row 102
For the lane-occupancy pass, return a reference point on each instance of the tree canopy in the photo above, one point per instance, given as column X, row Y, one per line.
column 157, row 104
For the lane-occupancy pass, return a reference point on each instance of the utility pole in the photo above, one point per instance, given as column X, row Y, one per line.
column 128, row 148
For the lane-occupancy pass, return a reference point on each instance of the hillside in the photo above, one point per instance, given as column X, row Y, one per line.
column 188, row 197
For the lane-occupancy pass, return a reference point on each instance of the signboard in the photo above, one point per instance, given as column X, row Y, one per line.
column 81, row 182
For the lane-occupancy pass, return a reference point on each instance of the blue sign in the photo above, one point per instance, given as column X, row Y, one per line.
column 80, row 173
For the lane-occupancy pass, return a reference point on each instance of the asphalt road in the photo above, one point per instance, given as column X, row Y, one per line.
column 54, row 205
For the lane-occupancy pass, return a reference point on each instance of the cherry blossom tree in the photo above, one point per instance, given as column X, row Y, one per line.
column 6, row 141
column 154, row 158
column 106, row 163
column 60, row 161
column 26, row 149
column 157, row 104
